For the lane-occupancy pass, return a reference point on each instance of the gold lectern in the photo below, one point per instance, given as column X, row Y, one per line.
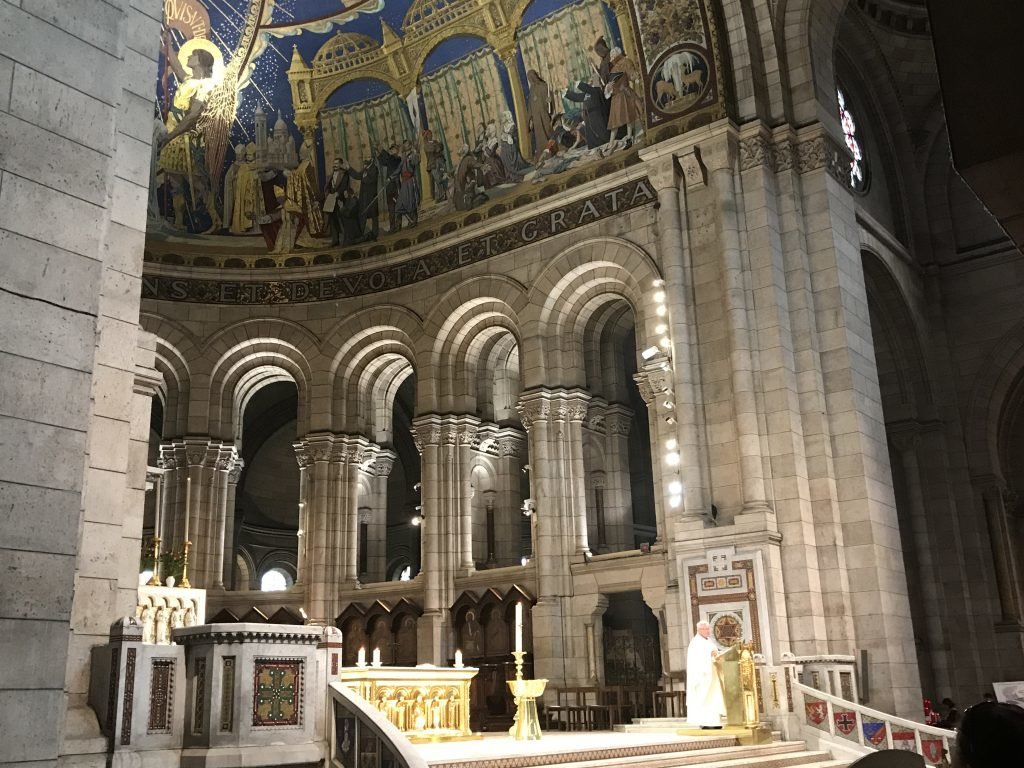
column 739, row 683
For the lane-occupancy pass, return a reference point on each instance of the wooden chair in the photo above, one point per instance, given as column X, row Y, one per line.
column 670, row 700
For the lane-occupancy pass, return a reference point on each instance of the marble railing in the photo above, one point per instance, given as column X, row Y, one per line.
column 839, row 722
column 162, row 609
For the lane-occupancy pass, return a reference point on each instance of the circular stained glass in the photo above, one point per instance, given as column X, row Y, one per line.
column 858, row 168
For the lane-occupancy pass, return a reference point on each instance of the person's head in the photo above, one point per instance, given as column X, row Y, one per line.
column 616, row 52
column 948, row 702
column 990, row 732
column 336, row 165
column 703, row 629
column 304, row 151
column 601, row 47
column 201, row 63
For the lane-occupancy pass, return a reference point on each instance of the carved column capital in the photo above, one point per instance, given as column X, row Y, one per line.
column 618, row 419
column 235, row 473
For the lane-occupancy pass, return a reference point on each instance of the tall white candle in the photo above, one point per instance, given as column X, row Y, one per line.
column 519, row 626
column 188, row 502
column 376, row 657
column 361, row 659
column 458, row 659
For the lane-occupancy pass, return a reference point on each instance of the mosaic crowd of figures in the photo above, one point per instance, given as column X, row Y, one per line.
column 381, row 128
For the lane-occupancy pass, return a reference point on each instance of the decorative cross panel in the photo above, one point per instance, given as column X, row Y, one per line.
column 277, row 692
column 723, row 592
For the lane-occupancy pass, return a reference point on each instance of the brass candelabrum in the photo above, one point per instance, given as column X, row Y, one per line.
column 154, row 580
column 185, row 583
column 526, row 726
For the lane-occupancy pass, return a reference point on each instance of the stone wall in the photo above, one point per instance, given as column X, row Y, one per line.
column 76, row 105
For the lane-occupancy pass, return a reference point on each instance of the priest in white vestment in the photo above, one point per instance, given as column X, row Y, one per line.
column 705, row 702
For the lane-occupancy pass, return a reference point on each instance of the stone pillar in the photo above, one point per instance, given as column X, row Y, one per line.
column 617, row 496
column 683, row 380
column 320, row 532
column 511, row 444
column 227, row 553
column 302, row 535
column 991, row 489
column 378, row 518
column 554, row 423
column 722, row 165
column 906, row 439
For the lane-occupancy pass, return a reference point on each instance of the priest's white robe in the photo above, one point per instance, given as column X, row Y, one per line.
column 705, row 703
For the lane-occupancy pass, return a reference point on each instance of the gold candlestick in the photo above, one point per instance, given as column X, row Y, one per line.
column 527, row 724
column 154, row 580
column 185, row 584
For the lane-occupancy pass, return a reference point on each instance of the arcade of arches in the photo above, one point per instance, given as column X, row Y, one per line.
column 762, row 366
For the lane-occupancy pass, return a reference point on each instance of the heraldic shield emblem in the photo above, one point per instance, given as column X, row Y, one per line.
column 846, row 722
column 932, row 749
column 816, row 711
column 874, row 731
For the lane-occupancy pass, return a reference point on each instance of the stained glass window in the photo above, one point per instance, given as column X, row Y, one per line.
column 858, row 168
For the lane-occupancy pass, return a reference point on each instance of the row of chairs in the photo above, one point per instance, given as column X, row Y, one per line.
column 588, row 708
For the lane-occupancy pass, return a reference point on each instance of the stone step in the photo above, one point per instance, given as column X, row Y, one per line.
column 785, row 755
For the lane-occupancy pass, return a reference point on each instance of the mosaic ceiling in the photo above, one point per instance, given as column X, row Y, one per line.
column 298, row 126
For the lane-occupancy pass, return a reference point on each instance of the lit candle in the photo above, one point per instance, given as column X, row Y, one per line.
column 458, row 659
column 519, row 626
column 376, row 657
column 361, row 659
column 188, row 502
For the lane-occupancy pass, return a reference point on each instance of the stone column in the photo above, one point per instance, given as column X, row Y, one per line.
column 991, row 489
column 721, row 164
column 554, row 423
column 508, row 512
column 351, row 454
column 377, row 555
column 617, row 496
column 683, row 379
column 227, row 554
column 302, row 536
column 314, row 460
column 906, row 438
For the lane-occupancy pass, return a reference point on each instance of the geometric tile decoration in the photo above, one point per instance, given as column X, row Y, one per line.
column 129, row 697
column 199, row 706
column 728, row 582
column 277, row 692
column 227, row 695
column 115, row 661
column 161, row 696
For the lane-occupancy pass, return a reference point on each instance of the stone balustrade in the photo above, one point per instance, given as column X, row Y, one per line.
column 160, row 610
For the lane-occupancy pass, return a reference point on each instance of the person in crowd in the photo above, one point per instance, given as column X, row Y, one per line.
column 991, row 736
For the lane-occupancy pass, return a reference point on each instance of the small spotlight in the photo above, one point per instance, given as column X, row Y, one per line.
column 669, row 404
column 419, row 507
column 526, row 468
column 675, row 501
column 416, row 520
column 659, row 297
column 665, row 342
column 671, row 444
column 648, row 353
column 302, row 613
column 670, row 419
column 660, row 328
column 417, row 486
column 658, row 283
column 675, row 487
column 524, row 561
column 672, row 459
column 660, row 310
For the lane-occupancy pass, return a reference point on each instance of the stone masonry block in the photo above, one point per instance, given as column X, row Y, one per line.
column 39, row 270
column 38, row 331
column 38, row 662
column 49, row 215
column 44, row 393
column 38, row 454
column 35, row 518
column 60, row 109
column 33, row 41
column 51, row 160
column 44, row 709
column 94, row 21
column 37, row 585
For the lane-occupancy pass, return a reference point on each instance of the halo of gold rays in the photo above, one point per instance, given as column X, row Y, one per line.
column 193, row 44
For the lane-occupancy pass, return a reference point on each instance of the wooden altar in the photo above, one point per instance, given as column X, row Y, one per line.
column 426, row 703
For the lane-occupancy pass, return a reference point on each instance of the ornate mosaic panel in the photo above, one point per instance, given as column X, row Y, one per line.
column 129, row 698
column 161, row 696
column 277, row 692
column 199, row 705
column 227, row 695
column 717, row 591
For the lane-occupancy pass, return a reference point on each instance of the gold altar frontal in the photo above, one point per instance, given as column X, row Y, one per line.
column 426, row 703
